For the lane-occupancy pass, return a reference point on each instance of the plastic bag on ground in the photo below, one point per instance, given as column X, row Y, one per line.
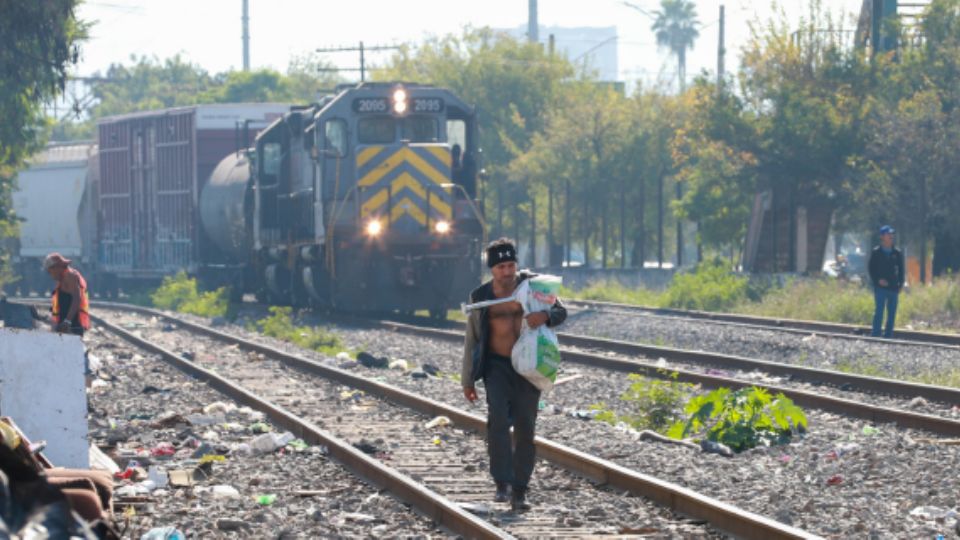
column 536, row 355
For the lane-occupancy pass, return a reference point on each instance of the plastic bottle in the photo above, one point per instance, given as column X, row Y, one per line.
column 163, row 533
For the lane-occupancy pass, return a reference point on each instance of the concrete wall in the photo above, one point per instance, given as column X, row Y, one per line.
column 42, row 389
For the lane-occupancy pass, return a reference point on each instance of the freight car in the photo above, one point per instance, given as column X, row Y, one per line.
column 55, row 202
column 153, row 166
column 363, row 201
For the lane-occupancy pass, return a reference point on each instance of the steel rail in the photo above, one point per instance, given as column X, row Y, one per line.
column 837, row 330
column 440, row 509
column 723, row 516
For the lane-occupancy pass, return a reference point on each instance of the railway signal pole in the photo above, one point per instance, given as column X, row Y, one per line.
column 245, row 19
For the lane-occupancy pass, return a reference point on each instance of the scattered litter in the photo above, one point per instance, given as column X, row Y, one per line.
column 224, row 492
column 163, row 450
column 351, row 394
column 399, row 365
column 163, row 533
column 219, row 407
column 835, row 480
column 99, row 460
column 437, row 440
column 180, row 478
column 158, row 477
column 439, row 421
column 266, row 500
column 477, row 509
column 269, row 442
column 661, row 363
column 713, row 447
column 298, row 445
column 786, row 459
column 368, row 360
column 366, row 447
column 250, row 414
column 583, row 415
column 930, row 513
column 357, row 517
column 212, row 458
column 204, row 419
column 170, row 420
column 917, row 403
column 260, row 427
column 430, row 369
column 419, row 374
column 343, row 356
column 870, row 430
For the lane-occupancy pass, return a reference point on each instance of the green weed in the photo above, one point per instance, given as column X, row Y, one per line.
column 180, row 293
column 280, row 325
column 653, row 404
column 740, row 419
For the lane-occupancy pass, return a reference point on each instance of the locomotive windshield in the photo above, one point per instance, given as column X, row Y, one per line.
column 383, row 129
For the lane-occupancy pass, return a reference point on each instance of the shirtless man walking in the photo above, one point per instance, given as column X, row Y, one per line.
column 511, row 399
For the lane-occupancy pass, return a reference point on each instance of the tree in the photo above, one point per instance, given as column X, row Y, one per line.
column 38, row 43
column 720, row 180
column 675, row 26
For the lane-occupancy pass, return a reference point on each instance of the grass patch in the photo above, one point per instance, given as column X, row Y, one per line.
column 180, row 293
column 280, row 325
column 613, row 291
column 712, row 287
column 652, row 404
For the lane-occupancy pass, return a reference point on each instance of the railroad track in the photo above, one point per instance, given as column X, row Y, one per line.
column 835, row 330
column 633, row 363
column 419, row 469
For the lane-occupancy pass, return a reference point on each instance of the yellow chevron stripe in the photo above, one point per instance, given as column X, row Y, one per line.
column 441, row 153
column 367, row 154
column 436, row 202
column 392, row 162
column 373, row 203
column 405, row 180
column 406, row 206
column 424, row 167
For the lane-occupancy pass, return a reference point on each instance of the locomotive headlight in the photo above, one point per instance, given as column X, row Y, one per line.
column 374, row 228
column 400, row 101
column 442, row 227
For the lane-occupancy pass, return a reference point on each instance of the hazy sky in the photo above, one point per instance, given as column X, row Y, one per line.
column 208, row 32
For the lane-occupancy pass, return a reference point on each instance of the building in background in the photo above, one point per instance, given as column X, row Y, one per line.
column 593, row 47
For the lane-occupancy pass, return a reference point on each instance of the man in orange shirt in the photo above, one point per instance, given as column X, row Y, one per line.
column 70, row 303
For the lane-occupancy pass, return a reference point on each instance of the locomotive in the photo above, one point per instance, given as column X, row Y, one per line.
column 364, row 200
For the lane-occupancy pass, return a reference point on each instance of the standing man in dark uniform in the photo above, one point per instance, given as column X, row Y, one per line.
column 887, row 274
column 511, row 399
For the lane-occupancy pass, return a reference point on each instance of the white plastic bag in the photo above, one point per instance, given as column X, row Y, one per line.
column 536, row 355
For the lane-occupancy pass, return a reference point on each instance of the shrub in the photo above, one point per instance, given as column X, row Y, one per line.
column 710, row 287
column 740, row 419
column 179, row 293
column 654, row 404
column 280, row 325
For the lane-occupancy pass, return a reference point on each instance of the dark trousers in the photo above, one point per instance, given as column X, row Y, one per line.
column 884, row 298
column 511, row 400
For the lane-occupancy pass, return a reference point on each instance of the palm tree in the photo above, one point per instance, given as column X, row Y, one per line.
column 675, row 25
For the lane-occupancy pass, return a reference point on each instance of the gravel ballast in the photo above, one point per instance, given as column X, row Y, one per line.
column 315, row 497
column 837, row 481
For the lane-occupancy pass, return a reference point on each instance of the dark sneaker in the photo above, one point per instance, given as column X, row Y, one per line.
column 518, row 501
column 503, row 492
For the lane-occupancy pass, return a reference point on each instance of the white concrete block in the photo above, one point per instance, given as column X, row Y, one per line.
column 42, row 389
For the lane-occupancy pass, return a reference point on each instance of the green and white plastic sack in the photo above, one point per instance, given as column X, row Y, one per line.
column 536, row 355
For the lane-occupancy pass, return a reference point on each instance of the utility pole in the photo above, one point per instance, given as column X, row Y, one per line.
column 363, row 60
column 533, row 26
column 246, row 35
column 721, row 51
